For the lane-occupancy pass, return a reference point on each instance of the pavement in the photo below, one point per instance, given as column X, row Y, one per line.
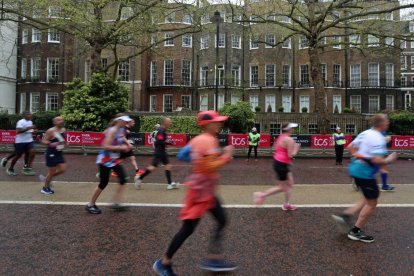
column 54, row 235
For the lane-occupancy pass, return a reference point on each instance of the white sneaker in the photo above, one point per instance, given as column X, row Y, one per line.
column 137, row 182
column 3, row 162
column 172, row 186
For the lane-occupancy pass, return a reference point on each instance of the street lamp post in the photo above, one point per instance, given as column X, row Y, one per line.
column 217, row 18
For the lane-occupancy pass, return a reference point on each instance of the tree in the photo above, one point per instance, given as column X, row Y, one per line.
column 314, row 21
column 241, row 116
column 90, row 106
column 122, row 27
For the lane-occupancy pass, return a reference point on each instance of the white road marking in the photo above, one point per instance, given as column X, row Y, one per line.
column 162, row 205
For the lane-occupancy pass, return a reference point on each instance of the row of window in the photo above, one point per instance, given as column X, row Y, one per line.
column 51, row 104
column 53, row 36
column 404, row 62
column 373, row 103
column 52, row 66
column 313, row 128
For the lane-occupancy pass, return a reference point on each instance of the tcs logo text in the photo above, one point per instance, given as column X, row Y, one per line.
column 73, row 139
column 401, row 142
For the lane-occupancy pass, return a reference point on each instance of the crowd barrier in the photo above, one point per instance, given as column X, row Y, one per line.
column 314, row 141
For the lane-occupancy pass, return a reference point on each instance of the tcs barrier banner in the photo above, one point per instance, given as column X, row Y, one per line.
column 176, row 139
column 79, row 138
column 326, row 141
column 242, row 140
column 7, row 136
column 402, row 142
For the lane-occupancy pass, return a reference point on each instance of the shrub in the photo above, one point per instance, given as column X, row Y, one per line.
column 402, row 123
column 304, row 110
column 347, row 110
column 180, row 124
column 257, row 109
column 241, row 117
column 281, row 109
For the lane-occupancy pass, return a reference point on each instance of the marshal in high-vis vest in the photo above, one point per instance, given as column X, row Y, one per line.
column 254, row 139
column 339, row 140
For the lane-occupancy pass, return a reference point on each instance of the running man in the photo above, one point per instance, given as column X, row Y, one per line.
column 24, row 144
column 207, row 159
column 109, row 158
column 55, row 140
column 254, row 139
column 160, row 156
column 285, row 149
column 370, row 149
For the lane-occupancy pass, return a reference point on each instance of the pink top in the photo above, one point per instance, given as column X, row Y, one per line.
column 281, row 154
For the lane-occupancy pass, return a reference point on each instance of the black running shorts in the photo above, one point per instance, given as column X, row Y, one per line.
column 281, row 169
column 368, row 187
column 160, row 157
column 127, row 154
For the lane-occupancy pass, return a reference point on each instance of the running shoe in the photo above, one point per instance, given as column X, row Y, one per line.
column 360, row 236
column 259, row 198
column 139, row 172
column 137, row 182
column 343, row 222
column 114, row 174
column 288, row 207
column 217, row 265
column 11, row 172
column 118, row 207
column 3, row 162
column 98, row 175
column 163, row 270
column 355, row 186
column 28, row 171
column 172, row 186
column 47, row 191
column 93, row 209
column 388, row 188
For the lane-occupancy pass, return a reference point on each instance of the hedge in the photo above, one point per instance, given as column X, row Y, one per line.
column 402, row 123
column 180, row 124
column 42, row 120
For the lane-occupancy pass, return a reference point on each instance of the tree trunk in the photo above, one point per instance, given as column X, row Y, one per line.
column 96, row 58
column 319, row 88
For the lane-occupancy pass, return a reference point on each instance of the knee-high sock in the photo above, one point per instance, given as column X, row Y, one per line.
column 384, row 177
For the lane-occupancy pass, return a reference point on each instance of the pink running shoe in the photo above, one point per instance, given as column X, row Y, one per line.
column 259, row 198
column 288, row 207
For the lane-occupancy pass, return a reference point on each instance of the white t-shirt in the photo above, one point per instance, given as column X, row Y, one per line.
column 370, row 143
column 25, row 137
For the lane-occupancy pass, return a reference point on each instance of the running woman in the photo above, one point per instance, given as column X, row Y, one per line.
column 160, row 156
column 24, row 144
column 207, row 159
column 130, row 154
column 370, row 149
column 285, row 149
column 55, row 140
column 109, row 158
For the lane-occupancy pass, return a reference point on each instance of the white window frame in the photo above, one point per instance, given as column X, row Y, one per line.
column 354, row 40
column 185, row 39
column 182, row 72
column 324, row 72
column 153, row 73
column 354, row 83
column 32, row 68
column 52, row 11
column 302, row 40
column 220, row 75
column 411, row 27
column 268, row 41
column 203, row 75
column 407, row 100
column 373, row 41
column 355, row 102
column 389, row 105
column 236, row 40
column 189, row 101
column 25, row 36
column 23, row 69
column 172, row 72
column 36, row 35
column 337, row 103
column 389, row 76
column 169, row 40
column 254, row 45
column 250, row 74
column 403, row 60
column 220, row 101
column 336, row 41
column 163, row 102
column 274, row 75
column 372, row 109
column 48, row 97
column 204, row 98
column 412, row 62
column 153, row 103
column 373, row 82
column 403, row 44
column 124, row 69
column 22, row 103
column 302, row 81
column 287, row 103
column 235, row 74
column 32, row 108
column 289, row 84
column 285, row 19
column 272, row 102
column 204, row 41
column 389, row 16
column 53, row 36
column 288, row 45
column 221, row 42
column 49, row 69
column 389, row 41
column 187, row 16
column 340, row 75
column 254, row 102
column 304, row 101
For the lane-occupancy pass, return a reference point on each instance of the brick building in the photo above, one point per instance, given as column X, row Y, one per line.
column 407, row 65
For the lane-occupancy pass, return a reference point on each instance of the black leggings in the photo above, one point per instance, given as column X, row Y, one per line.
column 105, row 173
column 188, row 227
column 339, row 153
column 250, row 151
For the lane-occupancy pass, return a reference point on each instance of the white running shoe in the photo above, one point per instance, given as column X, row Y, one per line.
column 172, row 186
column 137, row 182
column 3, row 162
column 42, row 178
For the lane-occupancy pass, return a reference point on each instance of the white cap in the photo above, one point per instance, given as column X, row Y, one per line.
column 124, row 118
column 254, row 129
column 290, row 125
column 338, row 128
column 157, row 125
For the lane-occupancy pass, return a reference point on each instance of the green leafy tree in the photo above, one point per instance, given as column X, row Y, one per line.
column 241, row 116
column 90, row 106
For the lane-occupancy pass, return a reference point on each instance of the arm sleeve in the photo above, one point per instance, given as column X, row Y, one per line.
column 212, row 163
column 19, row 124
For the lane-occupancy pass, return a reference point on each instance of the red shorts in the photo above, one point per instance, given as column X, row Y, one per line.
column 194, row 208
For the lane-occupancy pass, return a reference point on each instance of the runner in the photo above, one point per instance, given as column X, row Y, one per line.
column 130, row 154
column 24, row 143
column 254, row 139
column 54, row 138
column 285, row 150
column 202, row 183
column 370, row 149
column 160, row 156
column 109, row 159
